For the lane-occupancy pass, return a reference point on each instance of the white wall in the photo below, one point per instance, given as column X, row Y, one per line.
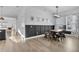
column 78, row 25
column 25, row 18
column 60, row 22
column 20, row 25
column 38, row 15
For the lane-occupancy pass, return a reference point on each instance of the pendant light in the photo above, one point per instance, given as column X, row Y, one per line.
column 1, row 16
column 57, row 12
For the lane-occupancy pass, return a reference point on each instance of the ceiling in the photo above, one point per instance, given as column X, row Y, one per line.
column 13, row 11
column 9, row 11
column 61, row 8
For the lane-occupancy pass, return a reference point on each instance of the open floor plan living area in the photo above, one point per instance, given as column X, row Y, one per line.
column 39, row 28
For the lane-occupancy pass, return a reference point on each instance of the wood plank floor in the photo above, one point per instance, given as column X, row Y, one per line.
column 70, row 44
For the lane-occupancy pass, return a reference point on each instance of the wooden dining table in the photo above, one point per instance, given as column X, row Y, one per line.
column 57, row 30
column 56, row 34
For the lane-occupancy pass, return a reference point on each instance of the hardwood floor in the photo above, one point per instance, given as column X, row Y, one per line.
column 70, row 44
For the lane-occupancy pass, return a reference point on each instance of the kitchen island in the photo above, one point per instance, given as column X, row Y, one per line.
column 3, row 33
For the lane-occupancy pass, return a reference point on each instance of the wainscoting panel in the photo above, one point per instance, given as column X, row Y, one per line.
column 33, row 30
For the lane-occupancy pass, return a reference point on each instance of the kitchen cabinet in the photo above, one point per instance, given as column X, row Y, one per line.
column 2, row 34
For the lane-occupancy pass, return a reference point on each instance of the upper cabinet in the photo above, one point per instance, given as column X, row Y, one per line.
column 9, row 22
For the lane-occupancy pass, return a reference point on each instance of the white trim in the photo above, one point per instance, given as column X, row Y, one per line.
column 20, row 33
column 22, row 36
column 35, row 37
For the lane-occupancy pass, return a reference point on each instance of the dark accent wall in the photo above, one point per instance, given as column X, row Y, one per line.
column 64, row 27
column 33, row 30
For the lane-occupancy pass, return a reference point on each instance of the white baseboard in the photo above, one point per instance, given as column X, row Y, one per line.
column 35, row 37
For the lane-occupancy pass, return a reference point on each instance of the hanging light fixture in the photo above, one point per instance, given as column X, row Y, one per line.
column 1, row 16
column 57, row 12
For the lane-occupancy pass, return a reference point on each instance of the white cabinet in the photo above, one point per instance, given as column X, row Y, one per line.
column 8, row 22
column 71, row 23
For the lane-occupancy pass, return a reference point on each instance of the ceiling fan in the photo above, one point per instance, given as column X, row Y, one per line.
column 56, row 15
column 1, row 17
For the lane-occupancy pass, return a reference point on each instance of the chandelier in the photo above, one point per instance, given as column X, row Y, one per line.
column 1, row 17
column 57, row 12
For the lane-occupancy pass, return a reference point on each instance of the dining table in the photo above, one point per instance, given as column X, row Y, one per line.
column 57, row 34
